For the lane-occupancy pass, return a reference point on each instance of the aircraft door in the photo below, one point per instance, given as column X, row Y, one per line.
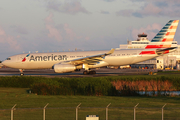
column 20, row 59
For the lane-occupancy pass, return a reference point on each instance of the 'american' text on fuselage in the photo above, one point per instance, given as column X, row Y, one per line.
column 48, row 58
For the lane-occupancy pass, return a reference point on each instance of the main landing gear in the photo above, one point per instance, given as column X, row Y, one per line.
column 89, row 72
column 21, row 72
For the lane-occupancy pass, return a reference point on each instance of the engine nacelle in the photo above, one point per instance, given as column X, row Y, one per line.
column 63, row 68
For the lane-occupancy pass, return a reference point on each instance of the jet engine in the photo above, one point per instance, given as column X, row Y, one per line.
column 63, row 68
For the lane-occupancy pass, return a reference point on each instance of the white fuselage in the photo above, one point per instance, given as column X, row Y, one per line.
column 47, row 60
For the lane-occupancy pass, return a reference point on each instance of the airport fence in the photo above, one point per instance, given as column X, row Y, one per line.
column 80, row 113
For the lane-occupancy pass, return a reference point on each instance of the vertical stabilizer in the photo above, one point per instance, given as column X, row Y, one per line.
column 165, row 36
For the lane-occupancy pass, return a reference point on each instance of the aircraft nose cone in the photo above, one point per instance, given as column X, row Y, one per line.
column 4, row 62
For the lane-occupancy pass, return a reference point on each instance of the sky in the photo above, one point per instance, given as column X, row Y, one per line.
column 65, row 25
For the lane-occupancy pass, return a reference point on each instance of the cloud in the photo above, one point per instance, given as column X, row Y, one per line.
column 87, row 38
column 68, row 7
column 126, row 13
column 150, row 9
column 70, row 34
column 2, row 32
column 54, row 5
column 53, row 32
column 60, row 32
column 154, row 8
column 108, row 0
column 104, row 12
column 168, row 1
column 20, row 29
column 8, row 40
column 150, row 30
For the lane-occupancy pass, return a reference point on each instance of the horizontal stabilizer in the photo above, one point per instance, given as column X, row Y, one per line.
column 166, row 50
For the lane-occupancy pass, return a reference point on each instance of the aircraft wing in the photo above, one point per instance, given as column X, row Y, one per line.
column 90, row 59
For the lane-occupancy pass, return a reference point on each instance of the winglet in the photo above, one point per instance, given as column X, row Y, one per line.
column 110, row 52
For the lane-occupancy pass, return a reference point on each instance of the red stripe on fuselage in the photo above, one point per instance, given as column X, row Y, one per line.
column 154, row 46
column 147, row 52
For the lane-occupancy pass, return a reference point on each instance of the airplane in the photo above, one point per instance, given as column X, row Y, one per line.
column 63, row 62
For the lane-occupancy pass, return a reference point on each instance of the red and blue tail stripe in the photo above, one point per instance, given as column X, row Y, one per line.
column 163, row 39
column 165, row 36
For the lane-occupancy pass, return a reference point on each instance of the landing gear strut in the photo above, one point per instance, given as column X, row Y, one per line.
column 89, row 72
column 21, row 72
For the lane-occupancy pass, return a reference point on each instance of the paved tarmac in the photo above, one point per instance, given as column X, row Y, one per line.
column 51, row 73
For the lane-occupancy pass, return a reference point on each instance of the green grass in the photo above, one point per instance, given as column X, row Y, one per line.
column 82, row 86
column 29, row 106
column 120, row 108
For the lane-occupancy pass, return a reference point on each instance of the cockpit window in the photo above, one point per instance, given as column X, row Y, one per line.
column 8, row 59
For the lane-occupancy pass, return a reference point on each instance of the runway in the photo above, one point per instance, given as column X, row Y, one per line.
column 51, row 73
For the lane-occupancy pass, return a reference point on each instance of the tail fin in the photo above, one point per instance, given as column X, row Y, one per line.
column 165, row 36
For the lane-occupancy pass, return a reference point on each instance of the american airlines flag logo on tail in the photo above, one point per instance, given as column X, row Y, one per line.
column 24, row 59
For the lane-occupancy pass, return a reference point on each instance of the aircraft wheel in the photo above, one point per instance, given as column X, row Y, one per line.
column 85, row 72
column 90, row 72
column 21, row 74
column 94, row 72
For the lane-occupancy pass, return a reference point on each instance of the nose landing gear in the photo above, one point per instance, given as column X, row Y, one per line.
column 21, row 72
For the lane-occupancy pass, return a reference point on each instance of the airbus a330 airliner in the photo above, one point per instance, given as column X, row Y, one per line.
column 63, row 62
